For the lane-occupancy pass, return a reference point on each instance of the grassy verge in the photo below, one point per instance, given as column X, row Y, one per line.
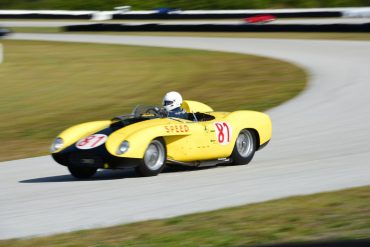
column 199, row 4
column 47, row 87
column 35, row 29
column 327, row 216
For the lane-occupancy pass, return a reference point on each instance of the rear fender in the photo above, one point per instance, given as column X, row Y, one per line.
column 258, row 121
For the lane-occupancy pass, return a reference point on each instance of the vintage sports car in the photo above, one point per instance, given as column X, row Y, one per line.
column 148, row 140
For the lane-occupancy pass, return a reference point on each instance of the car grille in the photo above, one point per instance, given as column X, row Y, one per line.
column 82, row 159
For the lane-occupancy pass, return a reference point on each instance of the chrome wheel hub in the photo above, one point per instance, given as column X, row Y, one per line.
column 244, row 143
column 154, row 155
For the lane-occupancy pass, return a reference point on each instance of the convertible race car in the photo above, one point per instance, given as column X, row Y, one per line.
column 148, row 140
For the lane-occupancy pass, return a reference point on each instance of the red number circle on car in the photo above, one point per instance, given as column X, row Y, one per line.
column 92, row 141
column 223, row 132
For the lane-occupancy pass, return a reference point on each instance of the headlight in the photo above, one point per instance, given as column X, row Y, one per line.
column 57, row 144
column 123, row 148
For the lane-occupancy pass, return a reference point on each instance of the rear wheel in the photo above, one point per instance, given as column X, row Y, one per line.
column 82, row 172
column 154, row 159
column 244, row 148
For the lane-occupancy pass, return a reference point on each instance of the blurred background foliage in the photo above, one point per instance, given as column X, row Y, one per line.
column 181, row 4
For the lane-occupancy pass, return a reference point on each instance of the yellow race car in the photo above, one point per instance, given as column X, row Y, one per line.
column 148, row 140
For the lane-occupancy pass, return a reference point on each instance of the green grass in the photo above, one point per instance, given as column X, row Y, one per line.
column 326, row 216
column 35, row 29
column 50, row 86
column 182, row 4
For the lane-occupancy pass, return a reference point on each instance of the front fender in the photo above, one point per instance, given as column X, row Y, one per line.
column 77, row 132
column 139, row 137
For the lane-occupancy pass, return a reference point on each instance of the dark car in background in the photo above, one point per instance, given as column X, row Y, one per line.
column 3, row 31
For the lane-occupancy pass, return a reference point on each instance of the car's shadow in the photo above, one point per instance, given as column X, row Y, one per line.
column 108, row 175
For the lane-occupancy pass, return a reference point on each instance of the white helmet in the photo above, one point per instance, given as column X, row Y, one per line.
column 171, row 101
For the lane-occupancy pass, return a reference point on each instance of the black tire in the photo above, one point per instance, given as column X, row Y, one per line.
column 244, row 148
column 82, row 172
column 154, row 159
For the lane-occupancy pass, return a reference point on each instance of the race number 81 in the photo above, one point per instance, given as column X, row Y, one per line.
column 92, row 141
column 223, row 132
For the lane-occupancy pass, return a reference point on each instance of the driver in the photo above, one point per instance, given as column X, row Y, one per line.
column 172, row 103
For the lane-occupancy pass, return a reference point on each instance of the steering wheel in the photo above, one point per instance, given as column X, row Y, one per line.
column 157, row 112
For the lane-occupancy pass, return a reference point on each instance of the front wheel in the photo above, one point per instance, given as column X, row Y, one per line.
column 245, row 147
column 82, row 172
column 154, row 159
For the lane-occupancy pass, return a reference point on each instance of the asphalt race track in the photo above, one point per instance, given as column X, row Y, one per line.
column 321, row 142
